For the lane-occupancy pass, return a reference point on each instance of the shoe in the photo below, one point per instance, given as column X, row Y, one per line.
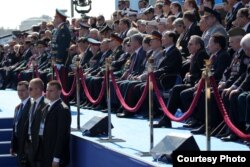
column 72, row 102
column 192, row 124
column 124, row 115
column 220, row 135
column 119, row 110
column 98, row 107
column 247, row 142
column 231, row 137
column 104, row 110
column 164, row 122
column 200, row 130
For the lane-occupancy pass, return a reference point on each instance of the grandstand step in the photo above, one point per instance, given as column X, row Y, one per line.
column 6, row 123
column 7, row 160
column 4, row 147
column 5, row 134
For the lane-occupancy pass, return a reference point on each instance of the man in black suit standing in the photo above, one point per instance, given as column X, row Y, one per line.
column 20, row 119
column 37, row 109
column 192, row 28
column 55, row 127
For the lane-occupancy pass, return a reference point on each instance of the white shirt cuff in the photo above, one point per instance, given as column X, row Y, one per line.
column 56, row 160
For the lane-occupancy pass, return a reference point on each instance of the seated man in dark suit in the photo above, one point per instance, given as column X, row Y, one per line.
column 220, row 60
column 170, row 64
column 198, row 55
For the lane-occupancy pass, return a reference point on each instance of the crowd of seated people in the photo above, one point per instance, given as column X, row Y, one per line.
column 178, row 37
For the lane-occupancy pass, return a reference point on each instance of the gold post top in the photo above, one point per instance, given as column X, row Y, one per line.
column 151, row 64
column 208, row 63
column 207, row 70
column 77, row 61
column 108, row 61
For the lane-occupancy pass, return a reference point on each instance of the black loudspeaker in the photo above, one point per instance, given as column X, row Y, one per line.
column 163, row 151
column 96, row 126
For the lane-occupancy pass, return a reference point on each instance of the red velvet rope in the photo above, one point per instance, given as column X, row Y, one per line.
column 87, row 93
column 224, row 112
column 164, row 108
column 64, row 93
column 121, row 99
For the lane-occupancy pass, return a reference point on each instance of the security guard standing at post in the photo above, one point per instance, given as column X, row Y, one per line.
column 60, row 44
column 61, row 38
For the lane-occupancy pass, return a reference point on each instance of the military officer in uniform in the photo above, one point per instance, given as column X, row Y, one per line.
column 60, row 43
column 61, row 38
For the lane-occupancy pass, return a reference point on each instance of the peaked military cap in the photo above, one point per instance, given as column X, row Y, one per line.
column 61, row 13
column 82, row 39
column 41, row 42
column 94, row 41
column 116, row 37
column 105, row 28
column 83, row 25
column 150, row 9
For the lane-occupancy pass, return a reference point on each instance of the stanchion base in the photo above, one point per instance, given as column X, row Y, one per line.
column 112, row 140
column 75, row 130
column 144, row 154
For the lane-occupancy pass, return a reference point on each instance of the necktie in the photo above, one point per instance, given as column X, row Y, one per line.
column 31, row 118
column 133, row 59
column 19, row 113
column 33, row 110
column 212, row 58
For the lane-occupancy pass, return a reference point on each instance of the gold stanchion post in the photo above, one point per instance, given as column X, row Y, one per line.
column 78, row 91
column 150, row 105
column 77, row 64
column 206, row 75
column 110, row 137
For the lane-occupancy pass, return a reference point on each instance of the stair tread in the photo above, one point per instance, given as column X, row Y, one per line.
column 5, row 142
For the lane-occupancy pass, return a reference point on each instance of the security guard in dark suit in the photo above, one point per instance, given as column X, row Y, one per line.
column 20, row 121
column 61, row 38
column 55, row 129
column 33, row 141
